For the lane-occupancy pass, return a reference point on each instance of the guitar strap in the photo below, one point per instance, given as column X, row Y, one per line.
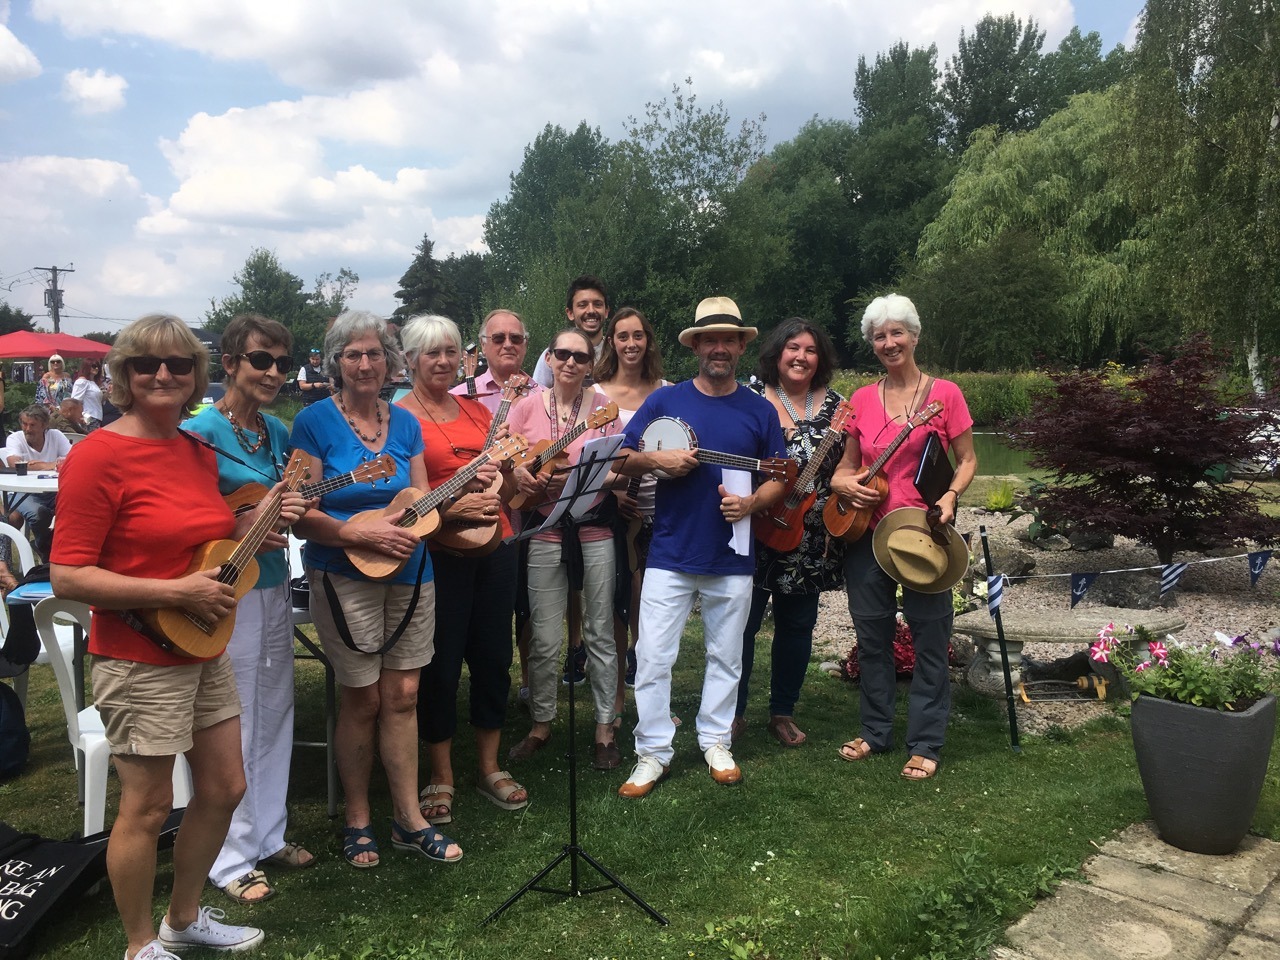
column 340, row 619
column 134, row 623
column 197, row 439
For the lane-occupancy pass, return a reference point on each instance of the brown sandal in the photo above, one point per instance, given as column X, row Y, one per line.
column 855, row 750
column 527, row 747
column 918, row 768
column 785, row 731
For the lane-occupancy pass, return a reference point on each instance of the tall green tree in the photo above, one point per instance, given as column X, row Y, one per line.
column 899, row 87
column 994, row 78
column 1205, row 161
column 467, row 277
column 423, row 288
column 1078, row 66
column 14, row 319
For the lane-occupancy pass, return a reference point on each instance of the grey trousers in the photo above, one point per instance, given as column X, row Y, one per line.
column 874, row 611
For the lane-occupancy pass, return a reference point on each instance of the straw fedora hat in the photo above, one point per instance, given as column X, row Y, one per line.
column 905, row 549
column 717, row 314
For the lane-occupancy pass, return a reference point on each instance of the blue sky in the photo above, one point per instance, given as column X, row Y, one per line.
column 154, row 144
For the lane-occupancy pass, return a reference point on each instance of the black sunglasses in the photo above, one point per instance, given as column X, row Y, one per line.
column 261, row 360
column 563, row 355
column 501, row 338
column 178, row 366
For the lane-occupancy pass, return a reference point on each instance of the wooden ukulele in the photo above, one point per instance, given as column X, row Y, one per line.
column 470, row 362
column 782, row 525
column 845, row 522
column 250, row 495
column 188, row 634
column 422, row 510
column 476, row 538
column 545, row 457
column 672, row 433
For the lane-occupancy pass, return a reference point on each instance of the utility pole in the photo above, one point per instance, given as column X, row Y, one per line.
column 53, row 296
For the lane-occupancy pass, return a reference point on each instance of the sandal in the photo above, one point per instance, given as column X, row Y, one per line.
column 428, row 841
column 856, row 749
column 501, row 796
column 607, row 756
column 358, row 840
column 918, row 768
column 527, row 747
column 785, row 731
column 239, row 888
column 437, row 796
column 292, row 855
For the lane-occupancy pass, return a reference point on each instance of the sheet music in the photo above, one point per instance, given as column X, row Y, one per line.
column 584, row 480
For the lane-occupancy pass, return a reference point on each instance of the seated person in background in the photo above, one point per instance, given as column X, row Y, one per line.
column 70, row 417
column 42, row 449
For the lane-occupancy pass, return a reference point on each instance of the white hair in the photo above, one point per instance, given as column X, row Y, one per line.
column 891, row 308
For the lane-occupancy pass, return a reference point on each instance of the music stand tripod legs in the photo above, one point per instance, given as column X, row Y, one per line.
column 572, row 851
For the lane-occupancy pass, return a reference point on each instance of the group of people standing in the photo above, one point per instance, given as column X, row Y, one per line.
column 415, row 571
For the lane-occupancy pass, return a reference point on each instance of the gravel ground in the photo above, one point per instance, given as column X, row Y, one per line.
column 1210, row 596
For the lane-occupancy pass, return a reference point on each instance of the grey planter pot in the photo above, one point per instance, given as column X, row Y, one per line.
column 1202, row 770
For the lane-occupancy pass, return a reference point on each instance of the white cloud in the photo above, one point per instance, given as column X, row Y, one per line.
column 17, row 61
column 97, row 92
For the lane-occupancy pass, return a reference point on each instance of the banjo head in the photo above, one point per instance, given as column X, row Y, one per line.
column 667, row 433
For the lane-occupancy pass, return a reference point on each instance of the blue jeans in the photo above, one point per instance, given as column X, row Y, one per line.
column 794, row 616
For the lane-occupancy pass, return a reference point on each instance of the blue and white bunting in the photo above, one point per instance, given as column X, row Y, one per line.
column 995, row 593
column 1170, row 574
column 1257, row 561
column 1080, row 584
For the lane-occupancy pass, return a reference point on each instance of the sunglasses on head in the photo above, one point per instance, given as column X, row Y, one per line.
column 178, row 366
column 563, row 355
column 501, row 338
column 262, row 360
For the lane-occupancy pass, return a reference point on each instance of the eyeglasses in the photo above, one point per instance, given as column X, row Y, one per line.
column 563, row 355
column 262, row 360
column 355, row 356
column 501, row 338
column 149, row 366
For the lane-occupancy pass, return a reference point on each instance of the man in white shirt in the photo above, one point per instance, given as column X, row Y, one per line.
column 587, row 308
column 40, row 448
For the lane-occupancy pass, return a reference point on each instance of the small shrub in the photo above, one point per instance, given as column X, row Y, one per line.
column 1001, row 498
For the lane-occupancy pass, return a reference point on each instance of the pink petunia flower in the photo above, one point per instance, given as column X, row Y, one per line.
column 1142, row 665
column 1100, row 652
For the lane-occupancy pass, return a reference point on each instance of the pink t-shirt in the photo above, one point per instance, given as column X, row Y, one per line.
column 873, row 430
column 531, row 419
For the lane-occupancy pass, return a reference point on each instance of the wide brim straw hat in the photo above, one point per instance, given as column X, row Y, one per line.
column 906, row 550
column 717, row 315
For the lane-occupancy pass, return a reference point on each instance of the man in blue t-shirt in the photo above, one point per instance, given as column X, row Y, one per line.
column 693, row 549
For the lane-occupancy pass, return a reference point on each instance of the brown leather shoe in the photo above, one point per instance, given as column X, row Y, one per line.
column 721, row 764
column 607, row 757
column 648, row 773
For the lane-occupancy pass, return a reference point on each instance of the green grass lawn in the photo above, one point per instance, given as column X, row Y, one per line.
column 809, row 857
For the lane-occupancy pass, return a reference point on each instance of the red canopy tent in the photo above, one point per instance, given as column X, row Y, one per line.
column 39, row 346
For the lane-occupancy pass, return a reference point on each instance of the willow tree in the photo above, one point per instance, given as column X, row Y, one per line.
column 1205, row 100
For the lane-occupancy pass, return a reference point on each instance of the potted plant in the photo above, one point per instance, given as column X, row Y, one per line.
column 1203, row 721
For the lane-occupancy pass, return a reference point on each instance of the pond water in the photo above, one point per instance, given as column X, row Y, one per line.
column 996, row 458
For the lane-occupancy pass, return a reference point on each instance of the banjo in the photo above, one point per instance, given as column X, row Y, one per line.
column 671, row 433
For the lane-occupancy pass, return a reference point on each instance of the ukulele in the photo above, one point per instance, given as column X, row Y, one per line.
column 845, row 522
column 184, row 632
column 782, row 525
column 672, row 433
column 422, row 510
column 477, row 538
column 544, row 458
column 470, row 363
column 251, row 494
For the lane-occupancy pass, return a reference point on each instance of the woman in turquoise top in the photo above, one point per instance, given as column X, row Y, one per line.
column 251, row 448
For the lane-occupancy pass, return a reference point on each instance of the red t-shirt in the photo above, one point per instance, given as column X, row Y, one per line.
column 467, row 433
column 139, row 508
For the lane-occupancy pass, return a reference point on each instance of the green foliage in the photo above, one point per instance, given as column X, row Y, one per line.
column 993, row 78
column 1001, row 498
column 901, row 87
column 13, row 319
column 995, row 398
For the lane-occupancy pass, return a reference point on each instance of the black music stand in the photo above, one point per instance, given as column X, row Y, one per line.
column 593, row 469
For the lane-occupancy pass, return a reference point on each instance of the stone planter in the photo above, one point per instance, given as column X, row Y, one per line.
column 1202, row 770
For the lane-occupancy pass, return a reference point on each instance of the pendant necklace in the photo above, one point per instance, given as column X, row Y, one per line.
column 570, row 418
column 377, row 406
column 430, row 416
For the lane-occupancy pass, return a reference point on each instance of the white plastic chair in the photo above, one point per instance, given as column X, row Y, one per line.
column 26, row 559
column 84, row 726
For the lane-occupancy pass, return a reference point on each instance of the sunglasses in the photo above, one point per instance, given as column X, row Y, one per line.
column 262, row 360
column 563, row 355
column 501, row 338
column 148, row 366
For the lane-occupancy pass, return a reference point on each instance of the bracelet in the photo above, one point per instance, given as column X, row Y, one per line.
column 955, row 492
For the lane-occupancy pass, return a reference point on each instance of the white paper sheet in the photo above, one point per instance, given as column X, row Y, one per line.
column 738, row 484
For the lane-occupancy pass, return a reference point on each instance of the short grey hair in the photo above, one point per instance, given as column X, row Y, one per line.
column 891, row 308
column 484, row 325
column 427, row 332
column 356, row 323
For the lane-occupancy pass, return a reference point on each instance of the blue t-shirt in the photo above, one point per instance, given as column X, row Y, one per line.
column 264, row 468
column 323, row 432
column 690, row 535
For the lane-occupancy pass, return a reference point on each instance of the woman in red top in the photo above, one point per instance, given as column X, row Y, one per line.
column 473, row 621
column 138, row 497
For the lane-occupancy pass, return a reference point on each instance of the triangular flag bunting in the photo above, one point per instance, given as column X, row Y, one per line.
column 1170, row 575
column 1257, row 560
column 1080, row 584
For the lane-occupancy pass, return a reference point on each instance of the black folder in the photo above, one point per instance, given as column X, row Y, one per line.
column 935, row 472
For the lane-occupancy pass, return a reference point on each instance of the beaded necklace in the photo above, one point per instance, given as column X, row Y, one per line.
column 241, row 438
column 377, row 406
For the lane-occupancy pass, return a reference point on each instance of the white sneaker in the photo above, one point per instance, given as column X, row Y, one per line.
column 207, row 931
column 152, row 951
column 723, row 768
column 646, row 775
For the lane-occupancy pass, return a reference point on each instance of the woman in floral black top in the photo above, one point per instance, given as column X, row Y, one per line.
column 796, row 363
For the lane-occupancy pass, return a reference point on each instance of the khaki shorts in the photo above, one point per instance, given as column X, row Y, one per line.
column 373, row 611
column 153, row 711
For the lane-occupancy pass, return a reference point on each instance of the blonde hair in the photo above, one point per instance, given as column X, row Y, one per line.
column 156, row 335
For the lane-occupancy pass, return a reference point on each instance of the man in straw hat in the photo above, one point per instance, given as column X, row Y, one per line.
column 693, row 549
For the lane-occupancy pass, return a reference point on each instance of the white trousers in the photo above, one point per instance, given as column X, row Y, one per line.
column 261, row 651
column 548, row 603
column 666, row 600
